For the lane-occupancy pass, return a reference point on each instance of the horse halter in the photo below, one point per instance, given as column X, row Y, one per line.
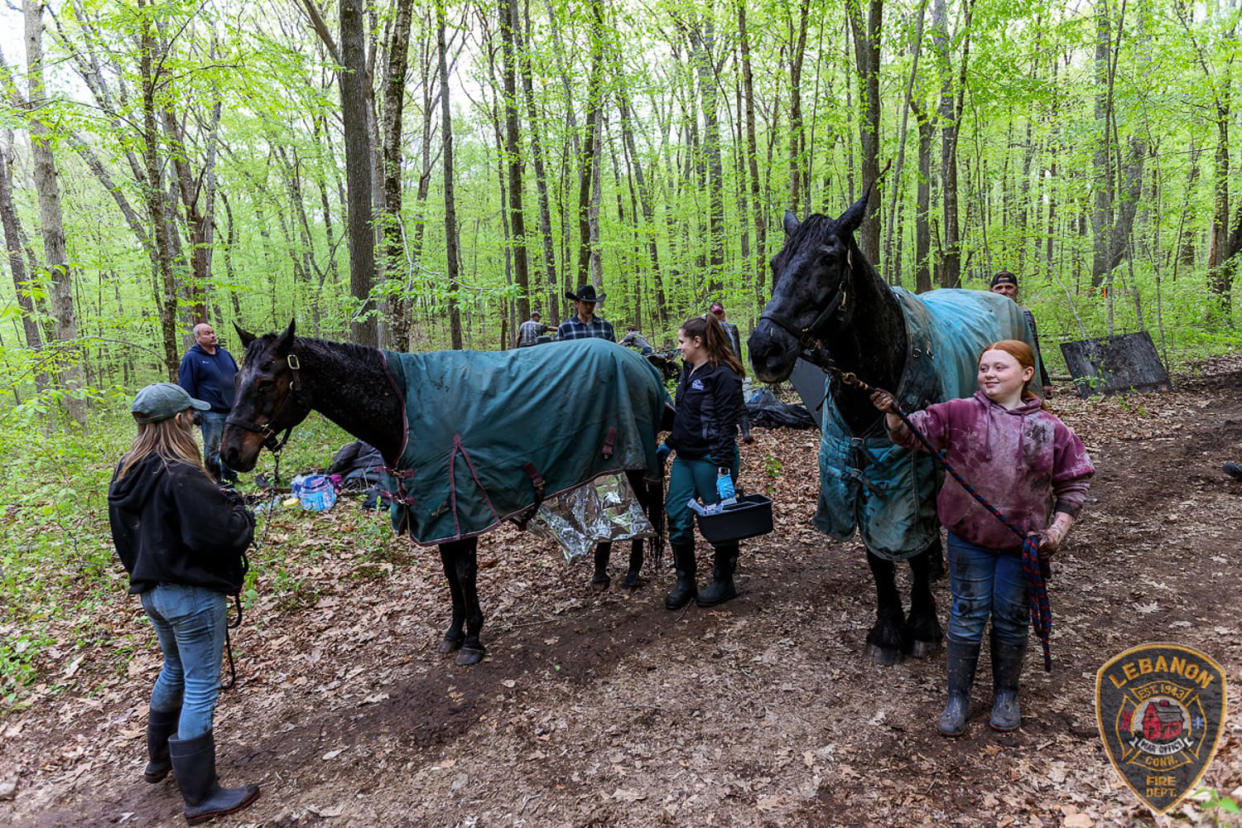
column 271, row 441
column 808, row 336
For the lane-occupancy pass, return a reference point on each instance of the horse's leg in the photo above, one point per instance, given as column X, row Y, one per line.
column 466, row 558
column 884, row 644
column 922, row 627
column 453, row 637
column 639, row 485
column 600, row 580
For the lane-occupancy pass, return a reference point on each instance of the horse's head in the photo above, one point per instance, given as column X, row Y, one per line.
column 811, row 278
column 267, row 400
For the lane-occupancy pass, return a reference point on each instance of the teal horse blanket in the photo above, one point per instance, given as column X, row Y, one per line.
column 886, row 492
column 491, row 433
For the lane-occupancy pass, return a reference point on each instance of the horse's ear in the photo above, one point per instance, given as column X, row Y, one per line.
column 284, row 342
column 791, row 222
column 245, row 335
column 851, row 218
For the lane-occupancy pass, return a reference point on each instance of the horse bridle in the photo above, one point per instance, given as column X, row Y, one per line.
column 271, row 441
column 809, row 336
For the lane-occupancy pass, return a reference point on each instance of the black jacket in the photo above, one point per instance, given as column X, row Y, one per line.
column 709, row 403
column 171, row 524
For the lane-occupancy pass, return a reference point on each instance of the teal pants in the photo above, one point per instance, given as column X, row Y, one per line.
column 687, row 479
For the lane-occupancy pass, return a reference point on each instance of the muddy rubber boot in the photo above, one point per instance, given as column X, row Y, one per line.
column 160, row 725
column 961, row 659
column 721, row 588
column 194, row 763
column 684, row 590
column 1006, row 670
column 1233, row 470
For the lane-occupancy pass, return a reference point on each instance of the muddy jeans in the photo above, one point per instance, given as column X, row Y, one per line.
column 986, row 582
column 189, row 622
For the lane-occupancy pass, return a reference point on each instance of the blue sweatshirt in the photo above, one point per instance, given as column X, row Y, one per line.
column 208, row 377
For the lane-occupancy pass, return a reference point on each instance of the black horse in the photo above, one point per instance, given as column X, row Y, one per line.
column 828, row 305
column 285, row 376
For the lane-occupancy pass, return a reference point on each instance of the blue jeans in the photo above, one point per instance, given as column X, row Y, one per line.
column 212, row 425
column 986, row 582
column 189, row 622
column 686, row 479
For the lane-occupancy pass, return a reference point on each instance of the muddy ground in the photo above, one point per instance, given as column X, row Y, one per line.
column 605, row 709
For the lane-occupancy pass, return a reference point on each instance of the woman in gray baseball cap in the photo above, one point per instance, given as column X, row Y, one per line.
column 182, row 540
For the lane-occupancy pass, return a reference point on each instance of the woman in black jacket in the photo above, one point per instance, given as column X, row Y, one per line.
column 182, row 539
column 709, row 403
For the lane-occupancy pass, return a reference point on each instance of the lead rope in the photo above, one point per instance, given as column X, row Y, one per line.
column 228, row 643
column 1035, row 571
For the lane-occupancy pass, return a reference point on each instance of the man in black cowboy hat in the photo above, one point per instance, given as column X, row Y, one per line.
column 1006, row 284
column 585, row 324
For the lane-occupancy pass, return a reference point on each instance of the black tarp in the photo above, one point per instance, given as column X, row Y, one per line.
column 1125, row 362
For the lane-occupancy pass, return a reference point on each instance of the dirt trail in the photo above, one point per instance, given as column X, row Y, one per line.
column 606, row 709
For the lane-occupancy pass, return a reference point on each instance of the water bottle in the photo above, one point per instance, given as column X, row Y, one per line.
column 724, row 487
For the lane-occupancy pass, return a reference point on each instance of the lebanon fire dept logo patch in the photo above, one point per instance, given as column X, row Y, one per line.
column 1161, row 711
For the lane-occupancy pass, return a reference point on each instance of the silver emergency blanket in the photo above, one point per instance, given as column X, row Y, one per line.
column 606, row 509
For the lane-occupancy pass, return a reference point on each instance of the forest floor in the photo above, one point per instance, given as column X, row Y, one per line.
column 605, row 709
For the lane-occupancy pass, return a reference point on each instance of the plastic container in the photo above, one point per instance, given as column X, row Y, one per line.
column 315, row 491
column 750, row 516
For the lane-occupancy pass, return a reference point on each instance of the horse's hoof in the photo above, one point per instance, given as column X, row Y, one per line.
column 450, row 644
column 600, row 583
column 469, row 656
column 881, row 656
column 923, row 649
column 631, row 581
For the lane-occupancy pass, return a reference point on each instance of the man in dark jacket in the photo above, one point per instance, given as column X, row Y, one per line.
column 206, row 373
column 1006, row 284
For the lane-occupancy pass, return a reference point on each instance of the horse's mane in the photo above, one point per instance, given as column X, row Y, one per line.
column 348, row 350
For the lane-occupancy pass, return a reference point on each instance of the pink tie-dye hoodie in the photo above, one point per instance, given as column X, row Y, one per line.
column 1026, row 462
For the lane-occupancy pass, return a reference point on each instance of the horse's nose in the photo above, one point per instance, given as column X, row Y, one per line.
column 771, row 355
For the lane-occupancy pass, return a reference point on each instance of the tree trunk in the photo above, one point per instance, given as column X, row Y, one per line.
column 648, row 226
column 22, row 286
column 589, row 162
column 752, row 157
column 541, row 173
column 450, row 200
column 353, row 85
column 390, row 140
column 703, row 42
column 867, row 59
column 1102, row 212
column 47, row 184
column 513, row 154
column 797, row 131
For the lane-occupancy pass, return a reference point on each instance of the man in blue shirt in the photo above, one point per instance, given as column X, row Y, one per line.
column 585, row 324
column 206, row 373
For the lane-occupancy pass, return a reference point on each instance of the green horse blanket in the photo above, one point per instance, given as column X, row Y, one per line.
column 490, row 434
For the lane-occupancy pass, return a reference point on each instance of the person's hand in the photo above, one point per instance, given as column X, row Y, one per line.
column 1050, row 539
column 883, row 400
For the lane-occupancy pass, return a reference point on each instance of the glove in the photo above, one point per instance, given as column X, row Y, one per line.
column 663, row 451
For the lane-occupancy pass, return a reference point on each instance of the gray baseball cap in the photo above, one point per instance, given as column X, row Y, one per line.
column 163, row 400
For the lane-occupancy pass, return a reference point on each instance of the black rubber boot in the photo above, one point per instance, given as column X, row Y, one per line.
column 1233, row 470
column 721, row 588
column 160, row 725
column 194, row 763
column 1006, row 670
column 961, row 659
column 684, row 590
